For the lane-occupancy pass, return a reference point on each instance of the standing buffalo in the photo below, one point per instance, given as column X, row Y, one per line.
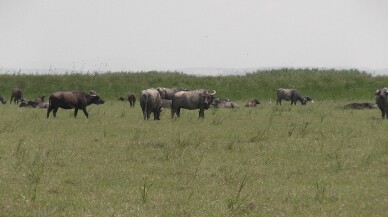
column 290, row 94
column 252, row 103
column 166, row 103
column 131, row 99
column 196, row 99
column 72, row 100
column 150, row 101
column 382, row 101
column 2, row 100
column 168, row 93
column 16, row 95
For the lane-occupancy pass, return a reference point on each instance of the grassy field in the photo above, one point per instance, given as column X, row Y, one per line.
column 314, row 160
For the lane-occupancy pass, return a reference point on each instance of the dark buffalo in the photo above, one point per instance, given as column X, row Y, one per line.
column 72, row 100
column 168, row 93
column 252, row 103
column 27, row 103
column 364, row 105
column 224, row 103
column 121, row 98
column 382, row 101
column 131, row 99
column 196, row 99
column 290, row 94
column 150, row 101
column 2, row 100
column 16, row 95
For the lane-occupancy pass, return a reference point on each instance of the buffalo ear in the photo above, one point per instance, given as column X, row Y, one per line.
column 377, row 92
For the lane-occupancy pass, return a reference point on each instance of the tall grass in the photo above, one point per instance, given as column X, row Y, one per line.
column 321, row 84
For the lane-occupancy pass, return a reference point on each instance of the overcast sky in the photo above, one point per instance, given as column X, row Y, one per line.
column 142, row 35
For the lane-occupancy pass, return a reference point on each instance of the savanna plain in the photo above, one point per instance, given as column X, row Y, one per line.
column 313, row 160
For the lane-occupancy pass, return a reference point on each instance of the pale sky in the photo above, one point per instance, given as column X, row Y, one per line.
column 142, row 35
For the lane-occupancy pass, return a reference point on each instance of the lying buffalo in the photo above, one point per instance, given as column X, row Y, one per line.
column 168, row 93
column 16, row 95
column 24, row 103
column 196, row 99
column 150, row 101
column 2, row 100
column 41, row 103
column 364, row 105
column 252, row 103
column 291, row 94
column 224, row 103
column 72, row 100
column 382, row 101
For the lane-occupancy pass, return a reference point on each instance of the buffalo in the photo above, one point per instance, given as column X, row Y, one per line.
column 41, row 103
column 150, row 101
column 131, row 99
column 166, row 103
column 24, row 103
column 196, row 99
column 72, row 100
column 168, row 93
column 364, row 105
column 224, row 103
column 382, row 101
column 16, row 95
column 290, row 94
column 252, row 103
column 2, row 100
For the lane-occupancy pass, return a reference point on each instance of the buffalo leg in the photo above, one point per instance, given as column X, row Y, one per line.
column 178, row 112
column 49, row 109
column 85, row 112
column 201, row 113
column 55, row 112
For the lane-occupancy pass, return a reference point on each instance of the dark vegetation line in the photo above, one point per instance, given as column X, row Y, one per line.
column 321, row 84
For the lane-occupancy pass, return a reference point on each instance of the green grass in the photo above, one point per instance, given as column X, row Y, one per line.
column 314, row 160
column 320, row 84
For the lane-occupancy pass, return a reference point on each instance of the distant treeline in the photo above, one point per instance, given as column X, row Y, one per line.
column 320, row 84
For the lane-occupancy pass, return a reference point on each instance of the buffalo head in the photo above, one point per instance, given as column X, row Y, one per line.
column 95, row 99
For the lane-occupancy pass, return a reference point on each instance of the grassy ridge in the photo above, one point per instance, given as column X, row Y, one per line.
column 319, row 84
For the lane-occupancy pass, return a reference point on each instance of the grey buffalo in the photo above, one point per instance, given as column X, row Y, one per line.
column 292, row 95
column 252, row 103
column 150, row 101
column 72, row 100
column 224, row 103
column 41, row 103
column 16, row 95
column 166, row 103
column 196, row 99
column 2, row 100
column 382, row 101
column 168, row 93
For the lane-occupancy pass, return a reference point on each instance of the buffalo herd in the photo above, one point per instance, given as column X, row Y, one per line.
column 155, row 100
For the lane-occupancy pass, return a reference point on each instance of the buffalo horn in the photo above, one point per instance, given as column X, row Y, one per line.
column 214, row 92
column 93, row 93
